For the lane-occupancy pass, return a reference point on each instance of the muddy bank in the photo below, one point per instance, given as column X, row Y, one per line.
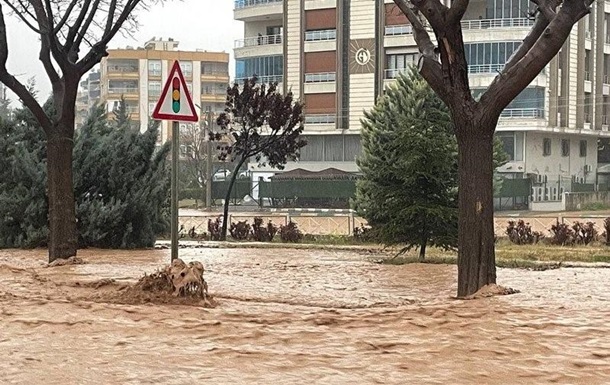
column 290, row 316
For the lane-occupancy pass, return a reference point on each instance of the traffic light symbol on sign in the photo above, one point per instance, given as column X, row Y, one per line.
column 176, row 95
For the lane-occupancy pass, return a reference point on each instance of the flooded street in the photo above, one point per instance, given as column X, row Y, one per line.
column 300, row 316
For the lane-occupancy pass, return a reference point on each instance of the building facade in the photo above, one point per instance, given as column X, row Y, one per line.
column 88, row 96
column 339, row 55
column 138, row 75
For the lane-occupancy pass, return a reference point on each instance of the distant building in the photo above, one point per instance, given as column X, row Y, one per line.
column 138, row 74
column 88, row 96
column 338, row 56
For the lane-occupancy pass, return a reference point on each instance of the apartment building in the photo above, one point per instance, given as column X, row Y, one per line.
column 138, row 75
column 88, row 96
column 339, row 55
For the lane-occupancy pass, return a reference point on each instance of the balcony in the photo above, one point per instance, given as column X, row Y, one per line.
column 485, row 68
column 320, row 119
column 320, row 77
column 263, row 79
column 497, row 23
column 393, row 73
column 266, row 45
column 122, row 90
column 398, row 30
column 322, row 35
column 529, row 113
column 258, row 10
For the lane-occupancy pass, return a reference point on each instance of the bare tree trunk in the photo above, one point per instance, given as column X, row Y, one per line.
column 422, row 250
column 225, row 215
column 63, row 239
column 476, row 254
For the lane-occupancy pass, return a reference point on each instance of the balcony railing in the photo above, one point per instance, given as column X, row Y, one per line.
column 323, row 35
column 497, row 23
column 523, row 113
column 263, row 79
column 485, row 68
column 252, row 3
column 154, row 72
column 395, row 30
column 320, row 119
column 123, row 90
column 258, row 40
column 393, row 73
column 320, row 77
column 121, row 69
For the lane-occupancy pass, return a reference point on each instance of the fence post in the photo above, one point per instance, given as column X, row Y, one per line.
column 288, row 219
column 350, row 223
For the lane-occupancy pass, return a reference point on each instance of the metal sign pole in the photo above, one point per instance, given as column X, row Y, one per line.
column 174, row 187
column 208, row 164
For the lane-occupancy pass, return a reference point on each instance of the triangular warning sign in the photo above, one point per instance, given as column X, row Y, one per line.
column 175, row 102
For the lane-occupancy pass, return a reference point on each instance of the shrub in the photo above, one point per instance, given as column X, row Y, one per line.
column 261, row 233
column 562, row 234
column 290, row 232
column 584, row 233
column 214, row 228
column 363, row 233
column 521, row 233
column 240, row 230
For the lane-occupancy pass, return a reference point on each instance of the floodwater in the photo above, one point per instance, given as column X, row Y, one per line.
column 300, row 317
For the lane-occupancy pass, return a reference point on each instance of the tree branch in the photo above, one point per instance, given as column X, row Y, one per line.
column 84, row 28
column 16, row 86
column 109, row 21
column 434, row 11
column 513, row 80
column 98, row 50
column 457, row 11
column 532, row 37
column 73, row 29
column 22, row 14
column 47, row 39
column 422, row 38
column 65, row 17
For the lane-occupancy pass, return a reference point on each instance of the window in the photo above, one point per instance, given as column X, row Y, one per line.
column 546, row 147
column 154, row 68
column 565, row 147
column 213, row 68
column 187, row 69
column 267, row 68
column 154, row 89
column 489, row 57
column 320, row 35
column 398, row 63
column 583, row 148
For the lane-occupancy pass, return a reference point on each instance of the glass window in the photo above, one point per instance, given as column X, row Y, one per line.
column 565, row 147
column 154, row 68
column 583, row 148
column 267, row 68
column 546, row 146
column 187, row 68
column 314, row 150
column 154, row 89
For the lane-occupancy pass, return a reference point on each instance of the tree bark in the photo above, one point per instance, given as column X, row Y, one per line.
column 225, row 216
column 476, row 255
column 422, row 250
column 63, row 239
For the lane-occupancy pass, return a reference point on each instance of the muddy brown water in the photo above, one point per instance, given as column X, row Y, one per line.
column 300, row 317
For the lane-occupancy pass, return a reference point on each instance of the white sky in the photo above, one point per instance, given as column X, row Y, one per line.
column 204, row 24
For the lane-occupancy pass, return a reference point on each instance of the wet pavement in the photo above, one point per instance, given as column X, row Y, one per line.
column 300, row 316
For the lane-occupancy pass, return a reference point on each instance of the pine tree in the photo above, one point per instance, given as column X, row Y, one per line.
column 121, row 183
column 408, row 190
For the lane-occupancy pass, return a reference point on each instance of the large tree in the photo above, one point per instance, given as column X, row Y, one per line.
column 443, row 64
column 408, row 191
column 121, row 182
column 74, row 35
column 262, row 125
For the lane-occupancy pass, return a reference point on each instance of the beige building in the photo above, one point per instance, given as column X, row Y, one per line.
column 339, row 55
column 138, row 74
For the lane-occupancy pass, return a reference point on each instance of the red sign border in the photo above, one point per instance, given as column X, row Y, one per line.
column 184, row 118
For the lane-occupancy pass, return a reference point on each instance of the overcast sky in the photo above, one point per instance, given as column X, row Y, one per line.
column 204, row 24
